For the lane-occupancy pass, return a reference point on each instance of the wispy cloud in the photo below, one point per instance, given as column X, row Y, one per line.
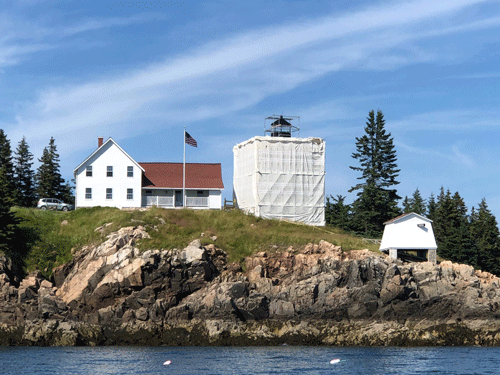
column 474, row 119
column 463, row 158
column 426, row 153
column 226, row 76
column 19, row 39
column 476, row 76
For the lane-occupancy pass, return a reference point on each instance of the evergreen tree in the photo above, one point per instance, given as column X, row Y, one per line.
column 417, row 203
column 7, row 168
column 406, row 205
column 8, row 222
column 68, row 195
column 24, row 175
column 442, row 231
column 337, row 213
column 49, row 183
column 452, row 231
column 376, row 198
column 465, row 251
column 431, row 207
column 485, row 233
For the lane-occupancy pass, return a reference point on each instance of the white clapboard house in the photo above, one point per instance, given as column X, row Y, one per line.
column 110, row 177
column 409, row 235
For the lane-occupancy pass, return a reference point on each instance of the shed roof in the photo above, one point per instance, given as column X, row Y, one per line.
column 169, row 175
column 405, row 216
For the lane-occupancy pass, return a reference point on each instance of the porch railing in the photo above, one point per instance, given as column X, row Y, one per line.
column 197, row 201
column 157, row 200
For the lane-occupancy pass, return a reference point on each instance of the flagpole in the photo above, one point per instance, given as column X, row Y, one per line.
column 184, row 172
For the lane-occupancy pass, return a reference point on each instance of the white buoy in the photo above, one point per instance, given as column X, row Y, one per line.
column 335, row 360
column 167, row 362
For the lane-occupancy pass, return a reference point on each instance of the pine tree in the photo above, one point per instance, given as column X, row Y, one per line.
column 465, row 251
column 417, row 203
column 8, row 222
column 7, row 168
column 485, row 233
column 68, row 195
column 376, row 198
column 452, row 230
column 49, row 183
column 337, row 213
column 24, row 175
column 406, row 205
column 431, row 207
column 442, row 232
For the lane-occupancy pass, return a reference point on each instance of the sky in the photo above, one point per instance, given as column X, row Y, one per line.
column 141, row 71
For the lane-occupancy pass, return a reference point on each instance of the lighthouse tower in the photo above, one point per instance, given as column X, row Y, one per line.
column 279, row 176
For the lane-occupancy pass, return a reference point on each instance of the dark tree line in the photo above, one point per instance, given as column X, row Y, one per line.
column 472, row 238
column 23, row 186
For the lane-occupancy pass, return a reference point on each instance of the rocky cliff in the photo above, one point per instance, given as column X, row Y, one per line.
column 114, row 294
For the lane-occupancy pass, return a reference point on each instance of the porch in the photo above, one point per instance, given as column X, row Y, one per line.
column 174, row 198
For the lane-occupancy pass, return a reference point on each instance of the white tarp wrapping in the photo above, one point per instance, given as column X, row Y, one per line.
column 281, row 178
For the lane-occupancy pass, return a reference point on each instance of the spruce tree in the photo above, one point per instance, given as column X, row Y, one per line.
column 431, row 207
column 8, row 222
column 337, row 213
column 49, row 183
column 452, row 230
column 24, row 175
column 417, row 203
column 465, row 251
column 442, row 231
column 7, row 168
column 406, row 205
column 485, row 233
column 376, row 198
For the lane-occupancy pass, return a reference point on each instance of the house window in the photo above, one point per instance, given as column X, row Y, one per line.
column 109, row 171
column 130, row 171
column 88, row 193
column 109, row 193
column 130, row 193
column 199, row 193
column 89, row 171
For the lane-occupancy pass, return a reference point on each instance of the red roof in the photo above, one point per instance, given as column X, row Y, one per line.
column 169, row 175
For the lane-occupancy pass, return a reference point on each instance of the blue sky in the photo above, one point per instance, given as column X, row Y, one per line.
column 141, row 71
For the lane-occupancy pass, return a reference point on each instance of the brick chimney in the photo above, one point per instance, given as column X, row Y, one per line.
column 99, row 141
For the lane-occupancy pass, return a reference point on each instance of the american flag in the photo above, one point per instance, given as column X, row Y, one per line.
column 190, row 140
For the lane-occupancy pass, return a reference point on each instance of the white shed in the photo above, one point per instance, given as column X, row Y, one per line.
column 409, row 232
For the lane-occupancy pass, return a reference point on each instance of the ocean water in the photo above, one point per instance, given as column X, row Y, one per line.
column 249, row 360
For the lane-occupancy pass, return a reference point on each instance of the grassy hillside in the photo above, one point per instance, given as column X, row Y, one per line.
column 50, row 236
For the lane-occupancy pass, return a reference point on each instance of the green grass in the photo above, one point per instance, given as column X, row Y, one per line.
column 49, row 243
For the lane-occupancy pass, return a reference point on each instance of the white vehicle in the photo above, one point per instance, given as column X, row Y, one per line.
column 53, row 204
